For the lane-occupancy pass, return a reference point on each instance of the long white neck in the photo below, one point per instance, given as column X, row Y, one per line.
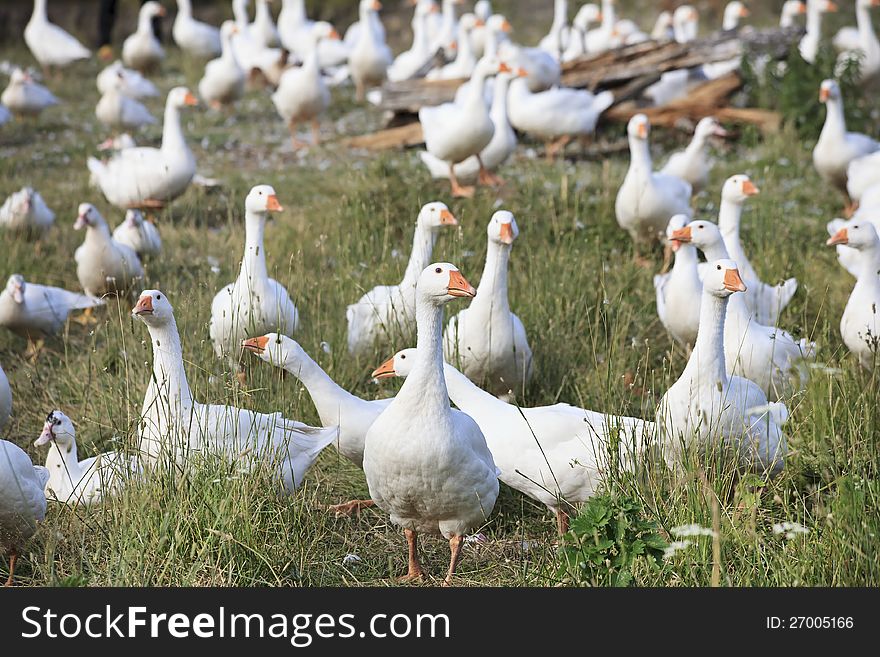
column 145, row 23
column 609, row 16
column 716, row 251
column 169, row 376
column 468, row 396
column 697, row 144
column 465, row 52
column 707, row 360
column 640, row 157
column 367, row 34
column 240, row 13
column 184, row 8
column 63, row 464
column 491, row 301
column 814, row 20
column 262, row 11
column 499, row 102
column 98, row 235
column 297, row 9
column 425, row 387
column 326, row 394
column 475, row 93
column 419, row 257
column 172, row 132
column 729, row 215
column 835, row 122
column 867, row 36
column 253, row 265
column 560, row 15
column 227, row 52
column 869, row 271
column 421, row 37
column 39, row 13
column 449, row 15
column 685, row 258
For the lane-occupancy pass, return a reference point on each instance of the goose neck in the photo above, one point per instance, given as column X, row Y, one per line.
column 184, row 8
column 326, row 394
column 491, row 298
column 640, row 155
column 708, row 355
column 426, row 385
column 870, row 264
column 499, row 101
column 835, row 123
column 729, row 215
column 145, row 23
column 253, row 264
column 420, row 256
column 168, row 372
column 63, row 463
column 560, row 15
column 814, row 19
column 685, row 258
column 476, row 96
column 464, row 393
column 240, row 14
column 39, row 13
column 172, row 131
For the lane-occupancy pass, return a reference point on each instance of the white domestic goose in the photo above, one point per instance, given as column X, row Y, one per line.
column 142, row 50
column 447, row 33
column 293, row 30
column 599, row 40
column 410, row 62
column 867, row 54
column 117, row 110
column 791, row 9
column 862, row 174
column 194, row 37
column 174, row 425
column 678, row 291
column 646, row 200
column 707, row 406
column 860, row 323
column 146, row 176
column 22, row 502
column 465, row 59
column 483, row 11
column 869, row 211
column 139, row 234
column 692, row 163
column 254, row 304
column 253, row 57
column 733, row 13
column 685, row 23
column 5, row 400
column 25, row 97
column 25, row 210
column 72, row 481
column 263, row 29
column 35, row 311
column 134, row 85
column 809, row 43
column 388, row 311
column 49, row 44
column 486, row 340
column 370, row 57
column 588, row 15
column 557, row 38
column 557, row 455
column 428, row 466
column 103, row 265
column 223, row 81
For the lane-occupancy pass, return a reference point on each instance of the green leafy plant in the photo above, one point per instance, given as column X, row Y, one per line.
column 606, row 540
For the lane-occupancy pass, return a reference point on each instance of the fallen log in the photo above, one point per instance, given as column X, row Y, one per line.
column 400, row 137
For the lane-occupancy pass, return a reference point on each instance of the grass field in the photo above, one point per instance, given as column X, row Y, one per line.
column 585, row 298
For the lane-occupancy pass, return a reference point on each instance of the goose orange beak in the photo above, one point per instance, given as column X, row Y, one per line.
column 642, row 131
column 507, row 233
column 682, row 234
column 840, row 237
column 377, row 5
column 255, row 345
column 504, row 68
column 749, row 188
column 334, row 35
column 802, row 8
column 478, row 23
column 522, row 73
column 447, row 218
column 823, row 95
column 733, row 282
column 144, row 306
column 385, row 370
column 506, row 26
column 189, row 99
column 272, row 204
column 830, row 6
column 458, row 285
column 744, row 12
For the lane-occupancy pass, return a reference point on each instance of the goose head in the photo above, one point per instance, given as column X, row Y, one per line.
column 400, row 364
column 791, row 9
column 153, row 308
column 228, row 29
column 722, row 279
column 441, row 282
column 702, row 234
column 821, row 6
column 685, row 23
column 829, row 90
column 181, row 97
column 261, row 200
column 276, row 349
column 663, row 25
column 468, row 22
column 134, row 218
column 502, row 228
column 435, row 215
column 152, row 9
column 368, row 7
column 856, row 233
column 483, row 10
column 15, row 288
column 587, row 15
column 88, row 217
column 867, row 4
column 709, row 127
column 639, row 127
column 59, row 429
column 323, row 30
column 499, row 24
column 19, row 76
column 733, row 12
column 676, row 222
column 488, row 66
column 738, row 188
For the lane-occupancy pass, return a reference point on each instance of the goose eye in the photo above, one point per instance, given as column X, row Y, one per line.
column 158, row 297
column 856, row 227
column 718, row 267
column 403, row 357
column 438, row 270
column 701, row 226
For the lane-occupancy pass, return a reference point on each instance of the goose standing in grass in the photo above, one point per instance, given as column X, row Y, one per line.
column 49, row 44
column 138, row 234
column 134, row 84
column 809, row 43
column 427, row 465
column 678, row 291
column 867, row 54
column 25, row 210
column 223, row 81
column 254, row 304
column 335, row 405
column 5, row 400
column 646, row 200
column 410, row 62
column 388, row 311
column 194, row 37
column 72, row 481
column 302, row 95
column 175, row 425
column 103, row 265
column 486, row 339
column 370, row 57
column 25, row 97
column 117, row 110
column 35, row 311
column 146, row 177
column 716, row 409
column 22, row 502
column 557, row 455
column 142, row 50
column 454, row 132
column 869, row 211
column 501, row 147
column 860, row 323
column 692, row 164
column 263, row 29
column 767, row 355
column 836, row 147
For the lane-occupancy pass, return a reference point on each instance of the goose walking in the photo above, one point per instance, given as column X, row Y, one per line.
column 50, row 45
column 142, row 50
column 223, row 81
column 194, row 37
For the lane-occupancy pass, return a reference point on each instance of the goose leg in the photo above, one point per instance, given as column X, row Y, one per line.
column 13, row 557
column 555, row 147
column 360, row 93
column 455, row 544
column 316, row 132
column 457, row 190
column 561, row 522
column 414, row 569
column 296, row 143
column 486, row 177
column 850, row 208
column 353, row 506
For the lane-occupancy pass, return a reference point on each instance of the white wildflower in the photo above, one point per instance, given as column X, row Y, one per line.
column 790, row 529
column 675, row 546
column 325, row 346
column 692, row 530
column 350, row 558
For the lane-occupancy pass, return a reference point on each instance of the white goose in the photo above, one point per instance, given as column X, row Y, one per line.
column 454, row 132
column 465, row 60
column 557, row 455
column 862, row 174
column 448, row 30
column 103, row 265
column 869, row 211
column 867, row 53
column 410, row 62
column 22, row 502
column 586, row 16
column 138, row 234
column 194, row 37
column 142, row 50
column 223, row 81
column 836, row 147
column 733, row 13
column 767, row 355
column 486, row 339
column 150, row 177
column 294, row 27
column 388, row 311
column 175, row 425
column 254, row 304
column 599, row 40
column 679, row 290
column 25, row 210
column 860, row 323
column 49, row 44
column 428, row 466
column 791, row 9
column 714, row 409
column 25, row 97
column 558, row 37
column 809, row 43
column 501, row 147
column 691, row 164
column 35, row 311
column 663, row 27
column 685, row 23
column 72, row 481
column 370, row 57
column 252, row 55
column 135, row 85
column 263, row 29
column 302, row 94
column 646, row 200
column 483, row 11
column 117, row 110
column 5, row 400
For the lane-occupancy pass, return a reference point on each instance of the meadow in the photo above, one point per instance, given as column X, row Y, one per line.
column 583, row 292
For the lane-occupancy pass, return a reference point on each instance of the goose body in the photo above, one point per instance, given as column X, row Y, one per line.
column 849, row 258
column 22, row 502
column 25, row 97
column 134, row 85
column 25, row 210
column 862, row 173
column 35, row 311
column 263, row 29
column 5, row 400
column 679, row 290
column 809, row 43
column 370, row 57
column 117, row 110
column 410, row 62
column 138, row 234
column 867, row 53
column 150, row 177
column 586, row 16
column 194, row 37
column 465, row 59
column 223, row 81
column 49, row 44
column 692, row 163
column 556, row 112
column 142, row 50
column 103, row 265
column 599, row 40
